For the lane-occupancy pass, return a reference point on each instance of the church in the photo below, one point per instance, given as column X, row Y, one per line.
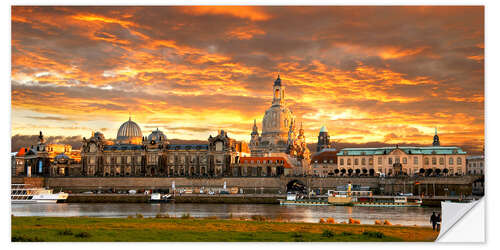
column 281, row 136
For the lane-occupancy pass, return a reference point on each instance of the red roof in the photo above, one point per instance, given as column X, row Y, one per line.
column 22, row 152
column 325, row 156
column 248, row 160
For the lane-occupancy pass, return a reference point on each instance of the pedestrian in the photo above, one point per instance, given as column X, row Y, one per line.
column 433, row 220
column 438, row 222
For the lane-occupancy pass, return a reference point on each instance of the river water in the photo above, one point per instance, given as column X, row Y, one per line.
column 402, row 215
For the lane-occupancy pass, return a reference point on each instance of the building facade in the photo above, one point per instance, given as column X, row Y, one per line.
column 324, row 163
column 155, row 156
column 323, row 140
column 475, row 165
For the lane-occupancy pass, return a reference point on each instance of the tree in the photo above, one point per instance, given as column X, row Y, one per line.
column 445, row 171
column 350, row 171
column 372, row 171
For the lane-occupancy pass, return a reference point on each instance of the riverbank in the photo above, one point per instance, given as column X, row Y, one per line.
column 186, row 229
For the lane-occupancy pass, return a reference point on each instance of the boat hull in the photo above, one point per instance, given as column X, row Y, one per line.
column 385, row 204
column 304, row 203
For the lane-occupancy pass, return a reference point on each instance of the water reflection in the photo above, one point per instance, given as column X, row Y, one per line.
column 367, row 215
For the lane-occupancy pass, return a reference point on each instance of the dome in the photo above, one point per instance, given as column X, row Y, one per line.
column 323, row 129
column 129, row 132
column 156, row 135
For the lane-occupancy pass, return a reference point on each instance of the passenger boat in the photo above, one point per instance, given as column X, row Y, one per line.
column 366, row 199
column 24, row 193
column 396, row 201
column 295, row 199
column 159, row 198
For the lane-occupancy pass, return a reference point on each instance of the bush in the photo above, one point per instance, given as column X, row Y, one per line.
column 328, row 233
column 161, row 216
column 66, row 232
column 258, row 218
column 139, row 216
column 296, row 235
column 24, row 238
column 186, row 216
column 346, row 233
column 83, row 235
column 374, row 234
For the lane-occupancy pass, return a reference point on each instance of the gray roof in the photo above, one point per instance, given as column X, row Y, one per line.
column 407, row 150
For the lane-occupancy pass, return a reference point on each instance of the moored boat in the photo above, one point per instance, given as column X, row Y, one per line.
column 295, row 199
column 159, row 198
column 25, row 194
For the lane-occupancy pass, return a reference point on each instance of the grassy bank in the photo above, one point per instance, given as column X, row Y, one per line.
column 188, row 229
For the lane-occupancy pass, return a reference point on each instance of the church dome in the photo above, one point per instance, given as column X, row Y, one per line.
column 129, row 132
column 156, row 135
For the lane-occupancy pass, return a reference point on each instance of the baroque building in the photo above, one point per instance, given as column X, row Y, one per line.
column 155, row 156
column 280, row 134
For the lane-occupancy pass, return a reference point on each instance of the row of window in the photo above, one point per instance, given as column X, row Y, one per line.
column 397, row 159
column 265, row 161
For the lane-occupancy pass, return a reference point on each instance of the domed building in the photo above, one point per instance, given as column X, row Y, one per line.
column 129, row 133
column 156, row 136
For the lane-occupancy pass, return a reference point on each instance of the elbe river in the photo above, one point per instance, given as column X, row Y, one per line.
column 396, row 215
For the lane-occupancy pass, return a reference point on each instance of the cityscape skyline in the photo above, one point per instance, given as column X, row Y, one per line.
column 170, row 71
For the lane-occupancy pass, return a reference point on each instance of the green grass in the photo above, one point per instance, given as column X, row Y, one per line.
column 70, row 229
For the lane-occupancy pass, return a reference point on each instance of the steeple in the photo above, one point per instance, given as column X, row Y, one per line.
column 436, row 143
column 323, row 139
column 278, row 92
column 255, row 130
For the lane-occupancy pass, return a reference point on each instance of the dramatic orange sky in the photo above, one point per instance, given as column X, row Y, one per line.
column 370, row 74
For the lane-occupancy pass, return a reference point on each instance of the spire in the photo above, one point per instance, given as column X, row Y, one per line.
column 436, row 132
column 435, row 142
column 255, row 130
column 323, row 129
column 278, row 81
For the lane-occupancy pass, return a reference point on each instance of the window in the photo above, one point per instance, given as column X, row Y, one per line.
column 415, row 160
column 390, row 160
column 434, row 162
column 426, row 161
column 370, row 161
column 341, row 161
column 356, row 161
column 441, row 161
column 396, row 159
column 363, row 161
column 459, row 161
column 404, row 160
column 380, row 161
column 348, row 161
column 450, row 161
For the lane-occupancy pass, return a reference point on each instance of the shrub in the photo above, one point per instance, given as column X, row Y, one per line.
column 231, row 216
column 374, row 234
column 327, row 233
column 186, row 216
column 296, row 235
column 258, row 218
column 66, row 232
column 330, row 221
column 83, row 235
column 161, row 216
column 212, row 217
column 346, row 233
column 24, row 238
column 139, row 216
column 130, row 217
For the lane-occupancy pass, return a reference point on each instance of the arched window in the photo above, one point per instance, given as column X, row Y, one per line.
column 459, row 161
column 348, row 161
column 426, row 161
column 450, row 161
column 441, row 161
column 404, row 160
column 434, row 162
column 341, row 161
column 356, row 161
column 363, row 161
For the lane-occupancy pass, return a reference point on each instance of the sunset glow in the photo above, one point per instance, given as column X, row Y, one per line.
column 369, row 74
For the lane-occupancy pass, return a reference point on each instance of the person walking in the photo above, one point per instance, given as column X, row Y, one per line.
column 438, row 222
column 433, row 220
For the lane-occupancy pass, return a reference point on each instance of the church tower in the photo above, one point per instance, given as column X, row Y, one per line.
column 323, row 139
column 254, row 140
column 279, row 93
column 436, row 143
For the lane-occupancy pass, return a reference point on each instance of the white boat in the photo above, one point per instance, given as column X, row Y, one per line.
column 398, row 201
column 158, row 198
column 25, row 193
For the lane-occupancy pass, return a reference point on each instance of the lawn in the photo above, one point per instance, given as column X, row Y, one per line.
column 68, row 229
